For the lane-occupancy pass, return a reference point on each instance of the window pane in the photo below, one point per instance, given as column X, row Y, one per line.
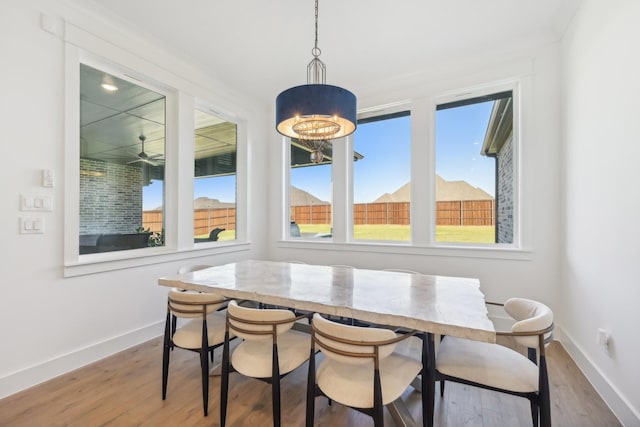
column 474, row 170
column 215, row 178
column 122, row 148
column 310, row 191
column 381, row 178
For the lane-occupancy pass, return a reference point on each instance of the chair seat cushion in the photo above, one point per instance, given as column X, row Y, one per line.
column 489, row 364
column 190, row 334
column 254, row 358
column 352, row 385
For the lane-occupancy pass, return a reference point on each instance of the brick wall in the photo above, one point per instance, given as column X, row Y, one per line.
column 505, row 196
column 110, row 197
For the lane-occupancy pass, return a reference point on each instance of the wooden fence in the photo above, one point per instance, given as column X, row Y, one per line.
column 465, row 212
column 462, row 212
column 204, row 220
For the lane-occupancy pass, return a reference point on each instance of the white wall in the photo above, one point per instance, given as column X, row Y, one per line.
column 50, row 324
column 600, row 274
column 53, row 324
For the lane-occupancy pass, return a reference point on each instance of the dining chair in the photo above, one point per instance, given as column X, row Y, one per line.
column 269, row 350
column 203, row 331
column 361, row 368
column 502, row 369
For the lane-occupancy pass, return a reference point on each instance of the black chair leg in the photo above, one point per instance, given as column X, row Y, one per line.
column 311, row 387
column 275, row 387
column 429, row 360
column 441, row 388
column 543, row 390
column 165, row 357
column 534, row 413
column 204, row 366
column 224, row 381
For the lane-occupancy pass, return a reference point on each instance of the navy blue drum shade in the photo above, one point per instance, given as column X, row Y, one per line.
column 316, row 112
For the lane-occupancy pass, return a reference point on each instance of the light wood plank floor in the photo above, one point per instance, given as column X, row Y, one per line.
column 125, row 390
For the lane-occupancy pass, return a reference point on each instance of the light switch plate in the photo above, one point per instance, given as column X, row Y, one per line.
column 31, row 225
column 36, row 202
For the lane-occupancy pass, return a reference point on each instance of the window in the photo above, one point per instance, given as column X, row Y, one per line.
column 475, row 170
column 310, row 190
column 214, row 178
column 122, row 153
column 381, row 178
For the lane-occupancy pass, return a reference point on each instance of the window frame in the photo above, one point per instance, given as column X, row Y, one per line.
column 397, row 110
column 422, row 110
column 466, row 94
column 206, row 107
column 82, row 47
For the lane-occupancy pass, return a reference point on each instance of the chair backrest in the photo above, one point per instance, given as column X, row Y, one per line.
column 350, row 344
column 213, row 236
column 258, row 324
column 190, row 304
column 530, row 316
column 191, row 268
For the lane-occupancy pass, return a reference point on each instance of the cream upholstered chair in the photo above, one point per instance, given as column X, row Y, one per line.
column 270, row 350
column 360, row 368
column 499, row 368
column 202, row 332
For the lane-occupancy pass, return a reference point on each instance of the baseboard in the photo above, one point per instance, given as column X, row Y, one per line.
column 623, row 409
column 45, row 371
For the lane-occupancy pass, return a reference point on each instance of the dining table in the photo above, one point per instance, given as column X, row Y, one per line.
column 431, row 304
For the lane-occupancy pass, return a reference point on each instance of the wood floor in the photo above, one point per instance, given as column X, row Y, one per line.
column 125, row 390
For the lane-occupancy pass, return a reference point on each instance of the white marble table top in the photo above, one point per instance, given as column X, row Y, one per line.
column 439, row 304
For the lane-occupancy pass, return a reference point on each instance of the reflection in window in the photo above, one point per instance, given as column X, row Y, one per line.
column 310, row 210
column 122, row 153
column 381, row 178
column 215, row 178
column 475, row 170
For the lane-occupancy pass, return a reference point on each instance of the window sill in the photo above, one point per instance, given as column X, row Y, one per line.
column 98, row 263
column 406, row 248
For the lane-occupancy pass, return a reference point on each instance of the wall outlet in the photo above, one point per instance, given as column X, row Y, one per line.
column 602, row 338
column 48, row 178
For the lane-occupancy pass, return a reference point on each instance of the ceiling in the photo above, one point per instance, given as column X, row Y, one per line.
column 115, row 124
column 262, row 47
column 259, row 48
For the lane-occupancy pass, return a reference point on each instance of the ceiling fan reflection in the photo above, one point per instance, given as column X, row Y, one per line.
column 144, row 157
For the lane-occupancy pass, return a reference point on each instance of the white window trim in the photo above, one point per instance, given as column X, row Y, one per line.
column 83, row 47
column 467, row 93
column 423, row 182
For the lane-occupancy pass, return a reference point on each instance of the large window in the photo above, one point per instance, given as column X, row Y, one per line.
column 475, row 170
column 215, row 178
column 310, row 209
column 381, row 178
column 122, row 153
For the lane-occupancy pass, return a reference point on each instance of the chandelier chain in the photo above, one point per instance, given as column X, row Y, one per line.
column 316, row 50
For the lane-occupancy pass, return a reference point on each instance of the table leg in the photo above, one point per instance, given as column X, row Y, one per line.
column 400, row 413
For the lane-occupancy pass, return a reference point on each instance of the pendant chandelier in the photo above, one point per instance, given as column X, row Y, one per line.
column 316, row 111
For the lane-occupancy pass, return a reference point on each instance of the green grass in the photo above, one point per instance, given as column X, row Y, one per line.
column 444, row 233
column 465, row 234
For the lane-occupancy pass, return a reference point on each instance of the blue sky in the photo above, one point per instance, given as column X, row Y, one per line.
column 386, row 144
column 385, row 167
column 459, row 136
column 222, row 188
